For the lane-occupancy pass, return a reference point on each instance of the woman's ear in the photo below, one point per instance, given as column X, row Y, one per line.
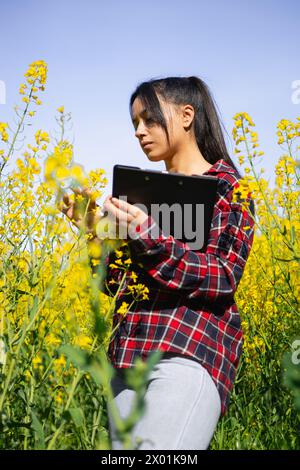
column 188, row 114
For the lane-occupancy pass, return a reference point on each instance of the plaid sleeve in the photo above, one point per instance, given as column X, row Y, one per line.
column 213, row 274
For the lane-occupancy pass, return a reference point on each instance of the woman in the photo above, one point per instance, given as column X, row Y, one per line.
column 191, row 313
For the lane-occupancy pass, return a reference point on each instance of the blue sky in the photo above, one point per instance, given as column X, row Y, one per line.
column 98, row 51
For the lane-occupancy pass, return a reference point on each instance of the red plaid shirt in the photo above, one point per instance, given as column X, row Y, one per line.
column 191, row 309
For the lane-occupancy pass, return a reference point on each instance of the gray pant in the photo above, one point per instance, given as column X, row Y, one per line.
column 182, row 406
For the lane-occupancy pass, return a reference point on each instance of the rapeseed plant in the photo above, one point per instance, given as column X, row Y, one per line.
column 55, row 320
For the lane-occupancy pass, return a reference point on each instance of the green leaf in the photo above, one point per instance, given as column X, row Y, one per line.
column 21, row 291
column 77, row 416
column 137, row 376
column 96, row 373
column 35, row 307
column 293, row 234
column 76, row 355
column 38, row 431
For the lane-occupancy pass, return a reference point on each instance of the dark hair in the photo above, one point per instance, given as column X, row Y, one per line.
column 193, row 91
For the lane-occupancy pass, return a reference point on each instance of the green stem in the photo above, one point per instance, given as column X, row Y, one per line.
column 29, row 404
column 21, row 341
column 11, row 149
column 75, row 382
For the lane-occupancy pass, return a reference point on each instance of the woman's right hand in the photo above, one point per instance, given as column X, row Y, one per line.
column 84, row 212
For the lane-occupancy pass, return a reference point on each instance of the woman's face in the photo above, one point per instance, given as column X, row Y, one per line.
column 148, row 131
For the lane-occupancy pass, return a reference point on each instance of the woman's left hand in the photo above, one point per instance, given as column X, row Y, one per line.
column 127, row 216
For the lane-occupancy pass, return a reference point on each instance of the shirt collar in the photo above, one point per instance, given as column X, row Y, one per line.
column 220, row 166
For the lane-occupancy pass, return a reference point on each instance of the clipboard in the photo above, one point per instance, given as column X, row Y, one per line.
column 181, row 205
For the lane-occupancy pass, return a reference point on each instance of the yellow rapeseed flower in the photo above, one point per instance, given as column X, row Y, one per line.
column 37, row 72
column 133, row 276
column 83, row 341
column 119, row 253
column 41, row 136
column 3, row 132
column 123, row 309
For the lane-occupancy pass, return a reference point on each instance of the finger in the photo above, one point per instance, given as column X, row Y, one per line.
column 76, row 190
column 66, row 200
column 126, row 207
column 107, row 199
column 118, row 213
column 64, row 209
column 88, row 194
column 64, row 204
column 107, row 202
column 80, row 192
column 60, row 205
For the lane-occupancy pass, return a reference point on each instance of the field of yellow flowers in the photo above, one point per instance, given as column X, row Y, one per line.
column 55, row 321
